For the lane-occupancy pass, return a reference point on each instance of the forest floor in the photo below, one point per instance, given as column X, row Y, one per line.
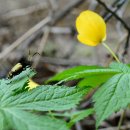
column 48, row 27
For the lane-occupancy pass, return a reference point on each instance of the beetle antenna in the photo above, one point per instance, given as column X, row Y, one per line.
column 30, row 57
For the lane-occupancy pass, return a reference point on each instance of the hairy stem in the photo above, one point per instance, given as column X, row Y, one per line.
column 110, row 50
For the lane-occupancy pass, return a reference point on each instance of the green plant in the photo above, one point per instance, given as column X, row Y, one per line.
column 18, row 104
column 114, row 91
column 45, row 106
column 113, row 81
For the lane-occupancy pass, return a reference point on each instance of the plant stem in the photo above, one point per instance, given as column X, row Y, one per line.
column 121, row 119
column 116, row 58
column 110, row 50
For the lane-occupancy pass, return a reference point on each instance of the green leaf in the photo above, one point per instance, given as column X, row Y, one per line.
column 70, row 72
column 21, row 120
column 84, row 72
column 113, row 95
column 74, row 116
column 120, row 66
column 94, row 80
column 1, row 121
column 45, row 98
column 19, row 82
column 90, row 73
column 79, row 115
column 15, row 99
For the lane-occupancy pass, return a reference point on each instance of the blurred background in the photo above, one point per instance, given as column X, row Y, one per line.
column 47, row 27
column 43, row 32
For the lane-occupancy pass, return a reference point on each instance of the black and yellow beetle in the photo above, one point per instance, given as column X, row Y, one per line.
column 19, row 67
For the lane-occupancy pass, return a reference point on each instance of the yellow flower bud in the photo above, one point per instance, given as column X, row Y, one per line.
column 91, row 28
column 32, row 84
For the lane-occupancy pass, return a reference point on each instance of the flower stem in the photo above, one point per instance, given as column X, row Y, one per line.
column 116, row 58
column 110, row 50
column 121, row 120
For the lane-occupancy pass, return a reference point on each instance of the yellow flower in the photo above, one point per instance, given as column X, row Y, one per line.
column 91, row 28
column 32, row 84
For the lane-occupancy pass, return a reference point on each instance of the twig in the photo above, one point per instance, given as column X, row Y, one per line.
column 116, row 50
column 61, row 30
column 25, row 36
column 114, row 14
column 63, row 62
column 61, row 14
column 38, row 28
column 121, row 13
column 53, row 4
column 93, row 5
column 24, row 11
column 41, row 46
column 116, row 6
column 121, row 119
column 122, row 22
column 58, row 61
column 126, row 47
column 126, row 127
